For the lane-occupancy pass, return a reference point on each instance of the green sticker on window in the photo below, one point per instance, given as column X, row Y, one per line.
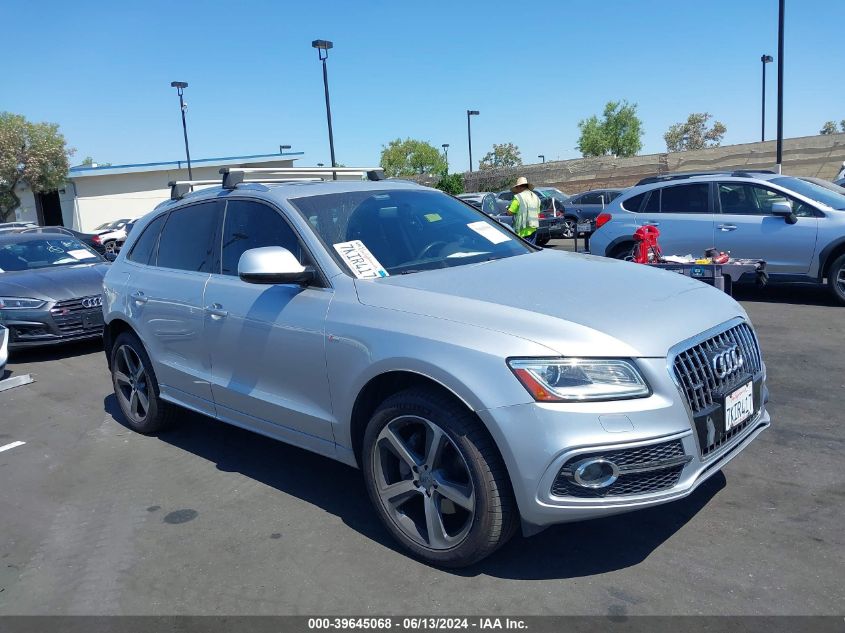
column 432, row 217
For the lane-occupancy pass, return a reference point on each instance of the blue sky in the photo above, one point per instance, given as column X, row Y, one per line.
column 102, row 70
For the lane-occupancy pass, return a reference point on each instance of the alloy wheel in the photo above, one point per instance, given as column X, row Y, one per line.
column 568, row 229
column 132, row 384
column 423, row 482
column 111, row 247
column 840, row 280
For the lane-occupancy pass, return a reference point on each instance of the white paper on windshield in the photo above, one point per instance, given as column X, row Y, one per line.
column 81, row 254
column 488, row 232
column 360, row 260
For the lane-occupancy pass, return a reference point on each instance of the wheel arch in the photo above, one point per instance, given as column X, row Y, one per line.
column 829, row 255
column 384, row 385
column 111, row 331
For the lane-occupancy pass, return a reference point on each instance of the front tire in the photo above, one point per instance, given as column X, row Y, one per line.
column 836, row 279
column 136, row 387
column 436, row 479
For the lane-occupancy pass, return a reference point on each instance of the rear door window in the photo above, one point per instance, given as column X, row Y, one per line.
column 692, row 198
column 187, row 239
column 653, row 203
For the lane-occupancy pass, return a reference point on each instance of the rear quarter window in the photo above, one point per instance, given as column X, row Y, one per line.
column 634, row 204
column 144, row 247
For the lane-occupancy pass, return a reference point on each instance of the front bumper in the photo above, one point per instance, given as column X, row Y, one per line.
column 57, row 322
column 538, row 439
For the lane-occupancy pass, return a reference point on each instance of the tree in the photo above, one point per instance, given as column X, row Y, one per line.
column 829, row 128
column 694, row 133
column 90, row 162
column 451, row 183
column 411, row 157
column 30, row 153
column 502, row 155
column 618, row 133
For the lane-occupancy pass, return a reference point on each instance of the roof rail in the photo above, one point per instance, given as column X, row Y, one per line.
column 180, row 188
column 692, row 174
column 233, row 176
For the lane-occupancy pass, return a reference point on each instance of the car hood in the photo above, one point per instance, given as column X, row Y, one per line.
column 61, row 282
column 573, row 304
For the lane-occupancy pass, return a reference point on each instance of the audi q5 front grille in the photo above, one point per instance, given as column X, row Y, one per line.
column 708, row 372
column 697, row 376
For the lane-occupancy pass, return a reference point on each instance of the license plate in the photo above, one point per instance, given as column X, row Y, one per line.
column 91, row 321
column 584, row 227
column 739, row 406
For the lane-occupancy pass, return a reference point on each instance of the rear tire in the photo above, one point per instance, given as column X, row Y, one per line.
column 836, row 279
column 542, row 241
column 569, row 227
column 623, row 251
column 136, row 387
column 450, row 505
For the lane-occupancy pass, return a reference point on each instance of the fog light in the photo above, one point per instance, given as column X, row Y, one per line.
column 595, row 473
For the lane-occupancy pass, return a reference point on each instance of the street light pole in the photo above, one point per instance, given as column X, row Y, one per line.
column 469, row 135
column 765, row 59
column 180, row 88
column 323, row 47
column 781, row 10
column 542, row 157
column 282, row 148
column 445, row 147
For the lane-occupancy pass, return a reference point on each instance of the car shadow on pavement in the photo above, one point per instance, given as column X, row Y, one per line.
column 318, row 480
column 54, row 352
column 563, row 551
column 587, row 548
column 796, row 294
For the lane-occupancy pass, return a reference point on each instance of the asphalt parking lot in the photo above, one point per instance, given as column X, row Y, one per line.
column 210, row 519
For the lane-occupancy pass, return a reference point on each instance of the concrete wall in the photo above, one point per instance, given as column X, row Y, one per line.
column 820, row 156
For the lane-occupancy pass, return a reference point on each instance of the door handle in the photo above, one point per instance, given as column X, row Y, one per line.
column 651, row 223
column 216, row 311
column 139, row 298
column 727, row 227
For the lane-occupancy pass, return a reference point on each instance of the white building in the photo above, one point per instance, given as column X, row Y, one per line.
column 95, row 195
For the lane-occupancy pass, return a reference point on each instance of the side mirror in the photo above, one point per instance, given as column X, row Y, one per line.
column 273, row 265
column 784, row 210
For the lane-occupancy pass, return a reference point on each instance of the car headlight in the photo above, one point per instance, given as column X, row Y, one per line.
column 579, row 379
column 20, row 303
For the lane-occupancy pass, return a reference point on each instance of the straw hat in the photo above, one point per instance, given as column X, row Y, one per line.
column 522, row 181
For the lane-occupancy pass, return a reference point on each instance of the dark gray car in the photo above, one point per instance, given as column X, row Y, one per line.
column 50, row 289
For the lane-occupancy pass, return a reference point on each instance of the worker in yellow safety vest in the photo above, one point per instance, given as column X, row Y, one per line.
column 525, row 207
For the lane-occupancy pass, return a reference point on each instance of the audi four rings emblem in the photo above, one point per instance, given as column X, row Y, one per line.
column 92, row 302
column 727, row 361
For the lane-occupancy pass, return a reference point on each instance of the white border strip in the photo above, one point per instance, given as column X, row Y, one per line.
column 11, row 446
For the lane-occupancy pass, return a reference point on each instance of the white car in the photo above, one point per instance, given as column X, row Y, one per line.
column 110, row 233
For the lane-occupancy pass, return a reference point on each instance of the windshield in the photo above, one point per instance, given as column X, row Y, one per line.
column 814, row 192
column 406, row 231
column 554, row 193
column 46, row 253
column 111, row 225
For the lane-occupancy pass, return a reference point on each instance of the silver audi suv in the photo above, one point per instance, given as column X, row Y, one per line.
column 398, row 330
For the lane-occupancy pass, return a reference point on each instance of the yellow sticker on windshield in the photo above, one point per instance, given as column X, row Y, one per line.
column 433, row 217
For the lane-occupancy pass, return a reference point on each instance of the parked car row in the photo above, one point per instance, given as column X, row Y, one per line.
column 795, row 225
